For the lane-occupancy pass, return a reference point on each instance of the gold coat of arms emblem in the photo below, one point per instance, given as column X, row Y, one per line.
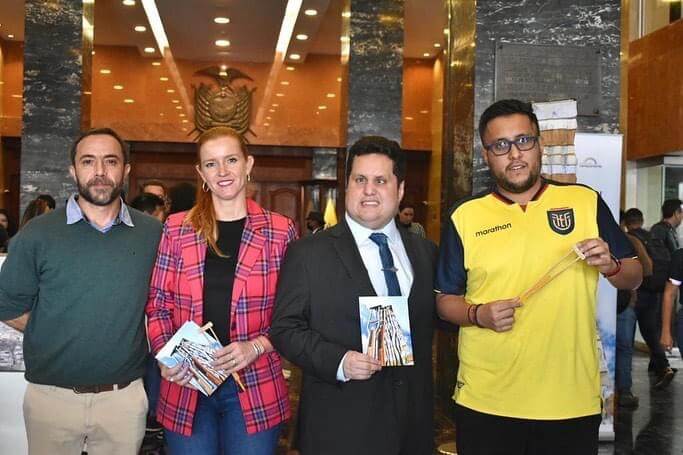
column 224, row 104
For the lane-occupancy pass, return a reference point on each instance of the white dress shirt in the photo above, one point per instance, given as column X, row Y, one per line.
column 369, row 253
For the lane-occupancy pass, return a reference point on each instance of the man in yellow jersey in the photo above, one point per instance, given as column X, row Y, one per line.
column 529, row 378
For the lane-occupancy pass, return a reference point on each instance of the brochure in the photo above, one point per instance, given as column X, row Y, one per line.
column 385, row 330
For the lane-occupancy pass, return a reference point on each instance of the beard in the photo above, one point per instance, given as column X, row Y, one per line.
column 518, row 187
column 100, row 197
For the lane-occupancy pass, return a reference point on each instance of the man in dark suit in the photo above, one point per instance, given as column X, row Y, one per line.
column 350, row 404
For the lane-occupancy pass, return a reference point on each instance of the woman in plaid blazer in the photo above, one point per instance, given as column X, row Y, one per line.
column 222, row 257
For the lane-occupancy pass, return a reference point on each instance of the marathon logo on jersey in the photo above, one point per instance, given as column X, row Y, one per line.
column 561, row 220
column 492, row 229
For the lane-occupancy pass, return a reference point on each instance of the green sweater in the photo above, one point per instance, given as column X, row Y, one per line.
column 86, row 292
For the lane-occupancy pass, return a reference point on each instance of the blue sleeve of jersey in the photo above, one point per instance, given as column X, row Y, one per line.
column 611, row 233
column 451, row 277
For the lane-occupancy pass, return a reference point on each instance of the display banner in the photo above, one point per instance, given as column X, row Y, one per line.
column 599, row 166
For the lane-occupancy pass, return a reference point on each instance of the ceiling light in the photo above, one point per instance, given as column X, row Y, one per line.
column 266, row 124
column 175, row 101
column 426, row 54
column 290, row 68
column 178, row 107
column 161, row 114
column 16, row 96
column 128, row 2
column 140, row 28
column 346, row 14
column 105, row 71
column 149, row 50
column 295, row 56
column 222, row 43
column 311, row 12
column 339, row 79
column 330, row 95
column 344, row 39
column 275, row 105
column 437, row 45
column 269, row 118
column 170, row 90
column 185, row 121
column 424, row 111
column 408, row 118
column 445, row 31
column 224, row 67
column 163, row 78
column 322, row 107
column 92, row 53
column 181, row 115
column 129, row 101
column 302, row 37
column 284, row 82
column 221, row 20
column 271, row 110
column 280, row 94
column 118, row 87
column 10, row 36
column 156, row 63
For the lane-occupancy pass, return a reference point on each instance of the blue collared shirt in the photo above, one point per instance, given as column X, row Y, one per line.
column 74, row 214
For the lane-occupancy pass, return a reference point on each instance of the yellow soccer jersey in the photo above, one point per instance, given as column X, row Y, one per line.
column 547, row 366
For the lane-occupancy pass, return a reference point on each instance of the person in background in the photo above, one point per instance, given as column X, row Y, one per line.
column 151, row 204
column 6, row 222
column 4, row 239
column 220, row 263
column 35, row 208
column 49, row 200
column 315, row 222
column 406, row 215
column 158, row 188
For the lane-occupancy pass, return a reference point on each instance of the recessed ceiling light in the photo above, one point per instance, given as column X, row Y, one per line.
column 294, row 56
column 184, row 129
column 339, row 79
column 280, row 94
column 128, row 2
column 271, row 110
column 163, row 78
column 275, row 105
column 140, row 28
column 221, row 20
column 445, row 31
column 290, row 68
column 149, row 50
column 311, row 12
column 330, row 95
column 408, row 118
column 426, row 54
column 156, row 63
column 185, row 120
column 175, row 101
column 170, row 90
column 181, row 115
column 346, row 14
column 266, row 124
column 322, row 107
column 92, row 53
column 16, row 96
column 269, row 118
column 178, row 107
column 301, row 37
column 424, row 111
column 222, row 43
column 129, row 101
column 87, row 92
column 10, row 36
column 284, row 82
column 161, row 114
column 437, row 45
column 118, row 87
column 105, row 71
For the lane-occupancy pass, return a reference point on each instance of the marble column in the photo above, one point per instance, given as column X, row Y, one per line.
column 375, row 69
column 54, row 68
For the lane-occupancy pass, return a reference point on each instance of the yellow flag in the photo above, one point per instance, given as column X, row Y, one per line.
column 330, row 215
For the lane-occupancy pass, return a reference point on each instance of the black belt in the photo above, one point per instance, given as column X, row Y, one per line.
column 99, row 388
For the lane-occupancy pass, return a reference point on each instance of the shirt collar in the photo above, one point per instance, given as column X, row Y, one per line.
column 361, row 234
column 74, row 214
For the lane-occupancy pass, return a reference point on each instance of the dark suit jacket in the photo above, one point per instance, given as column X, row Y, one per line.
column 316, row 321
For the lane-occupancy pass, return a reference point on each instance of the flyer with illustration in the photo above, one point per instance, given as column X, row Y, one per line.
column 385, row 330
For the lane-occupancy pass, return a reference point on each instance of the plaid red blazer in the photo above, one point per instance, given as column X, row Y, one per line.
column 176, row 296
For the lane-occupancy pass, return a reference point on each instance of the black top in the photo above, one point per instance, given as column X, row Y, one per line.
column 219, row 275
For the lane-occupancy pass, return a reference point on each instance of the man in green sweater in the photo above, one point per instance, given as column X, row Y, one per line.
column 75, row 282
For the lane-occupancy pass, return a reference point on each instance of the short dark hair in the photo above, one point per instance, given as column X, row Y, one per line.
column 633, row 216
column 670, row 207
column 49, row 200
column 101, row 131
column 503, row 108
column 383, row 146
column 158, row 183
column 147, row 202
column 316, row 216
column 406, row 205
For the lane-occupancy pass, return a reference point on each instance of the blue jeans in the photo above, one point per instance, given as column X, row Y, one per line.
column 219, row 428
column 626, row 330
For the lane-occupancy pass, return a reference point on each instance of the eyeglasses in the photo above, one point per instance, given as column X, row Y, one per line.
column 503, row 146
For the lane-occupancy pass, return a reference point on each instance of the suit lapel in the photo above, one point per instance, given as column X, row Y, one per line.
column 348, row 253
column 411, row 251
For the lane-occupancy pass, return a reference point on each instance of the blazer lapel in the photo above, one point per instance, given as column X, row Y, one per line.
column 348, row 253
column 409, row 245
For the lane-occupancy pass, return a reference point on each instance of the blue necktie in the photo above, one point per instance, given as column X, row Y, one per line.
column 387, row 263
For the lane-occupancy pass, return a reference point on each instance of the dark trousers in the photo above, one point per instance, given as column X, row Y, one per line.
column 484, row 434
column 649, row 321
